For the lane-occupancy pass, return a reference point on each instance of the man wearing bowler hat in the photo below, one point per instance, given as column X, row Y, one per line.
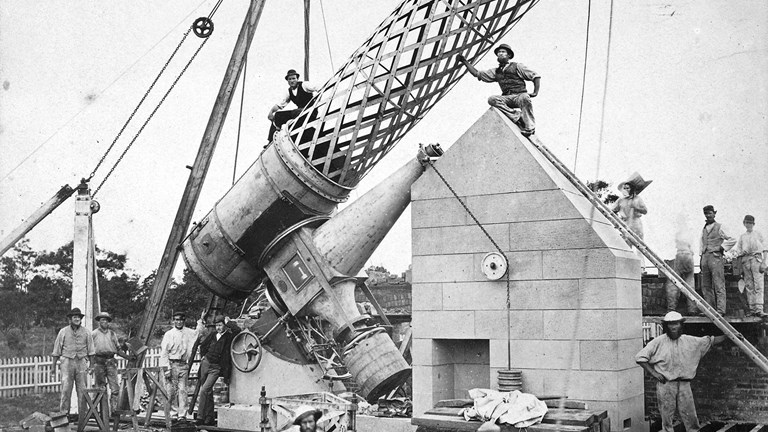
column 515, row 100
column 74, row 345
column 672, row 359
column 714, row 242
column 104, row 363
column 751, row 249
column 299, row 92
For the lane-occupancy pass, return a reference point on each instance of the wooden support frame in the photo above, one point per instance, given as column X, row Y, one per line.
column 94, row 404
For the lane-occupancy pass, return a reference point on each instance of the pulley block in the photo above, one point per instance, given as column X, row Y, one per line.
column 203, row 27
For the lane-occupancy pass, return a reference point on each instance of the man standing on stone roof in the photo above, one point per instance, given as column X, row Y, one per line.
column 714, row 242
column 74, row 345
column 106, row 346
column 672, row 359
column 175, row 351
column 515, row 100
column 298, row 92
column 684, row 267
column 752, row 250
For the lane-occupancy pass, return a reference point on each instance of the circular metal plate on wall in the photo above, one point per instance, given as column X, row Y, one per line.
column 494, row 265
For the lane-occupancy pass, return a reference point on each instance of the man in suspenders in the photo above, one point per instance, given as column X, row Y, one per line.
column 300, row 93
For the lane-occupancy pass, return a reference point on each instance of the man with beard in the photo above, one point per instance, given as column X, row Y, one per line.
column 515, row 100
column 671, row 359
column 306, row 418
column 74, row 344
column 216, row 362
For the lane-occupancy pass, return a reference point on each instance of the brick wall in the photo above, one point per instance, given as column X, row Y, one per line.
column 728, row 385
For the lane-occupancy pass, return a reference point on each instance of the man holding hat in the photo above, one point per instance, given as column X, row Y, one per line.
column 672, row 359
column 175, row 351
column 515, row 100
column 216, row 362
column 714, row 242
column 104, row 364
column 306, row 418
column 73, row 344
column 299, row 92
column 752, row 251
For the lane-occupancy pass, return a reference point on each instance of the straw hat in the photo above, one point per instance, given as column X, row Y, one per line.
column 637, row 182
column 304, row 411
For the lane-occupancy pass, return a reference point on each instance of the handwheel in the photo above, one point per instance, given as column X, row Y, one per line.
column 246, row 351
column 203, row 27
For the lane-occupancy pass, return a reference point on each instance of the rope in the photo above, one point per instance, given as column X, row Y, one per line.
column 125, row 71
column 240, row 118
column 477, row 222
column 143, row 98
column 215, row 8
column 327, row 41
column 583, row 84
column 150, row 116
column 605, row 85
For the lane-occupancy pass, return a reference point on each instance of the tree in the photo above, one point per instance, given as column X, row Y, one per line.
column 602, row 189
column 17, row 268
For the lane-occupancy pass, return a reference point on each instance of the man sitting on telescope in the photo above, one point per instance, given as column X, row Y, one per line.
column 300, row 93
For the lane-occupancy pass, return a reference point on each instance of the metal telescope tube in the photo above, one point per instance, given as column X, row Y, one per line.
column 383, row 90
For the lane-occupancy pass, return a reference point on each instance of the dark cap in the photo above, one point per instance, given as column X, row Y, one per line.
column 749, row 218
column 709, row 208
column 504, row 47
column 292, row 72
column 180, row 314
column 105, row 315
column 75, row 312
column 218, row 319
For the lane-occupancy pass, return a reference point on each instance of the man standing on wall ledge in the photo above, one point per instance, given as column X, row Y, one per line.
column 515, row 101
column 714, row 242
column 672, row 359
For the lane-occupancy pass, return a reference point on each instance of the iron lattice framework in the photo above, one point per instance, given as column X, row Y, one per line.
column 394, row 79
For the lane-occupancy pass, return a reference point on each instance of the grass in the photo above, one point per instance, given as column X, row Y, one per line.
column 14, row 409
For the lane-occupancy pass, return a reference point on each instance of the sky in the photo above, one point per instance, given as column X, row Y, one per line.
column 685, row 105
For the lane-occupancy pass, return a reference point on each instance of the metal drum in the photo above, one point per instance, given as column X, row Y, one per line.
column 376, row 364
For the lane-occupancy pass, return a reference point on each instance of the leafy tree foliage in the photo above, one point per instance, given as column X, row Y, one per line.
column 601, row 188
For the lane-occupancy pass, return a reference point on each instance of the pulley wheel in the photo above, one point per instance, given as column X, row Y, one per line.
column 246, row 351
column 203, row 27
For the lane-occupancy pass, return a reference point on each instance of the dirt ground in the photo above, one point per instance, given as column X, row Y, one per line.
column 14, row 409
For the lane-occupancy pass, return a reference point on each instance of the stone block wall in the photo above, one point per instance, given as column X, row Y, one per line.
column 576, row 319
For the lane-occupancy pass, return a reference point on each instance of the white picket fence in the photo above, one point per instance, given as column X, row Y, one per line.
column 25, row 375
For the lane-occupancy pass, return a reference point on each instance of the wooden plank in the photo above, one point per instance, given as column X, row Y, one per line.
column 445, row 411
column 49, row 206
column 726, row 427
column 571, row 417
column 455, row 403
column 442, row 423
column 555, row 403
column 756, row 428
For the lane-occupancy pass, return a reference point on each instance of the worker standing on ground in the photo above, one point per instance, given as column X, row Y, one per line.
column 751, row 249
column 106, row 346
column 216, row 362
column 672, row 359
column 714, row 242
column 175, row 352
column 515, row 100
column 300, row 93
column 74, row 344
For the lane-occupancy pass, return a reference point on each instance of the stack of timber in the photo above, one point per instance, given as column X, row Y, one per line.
column 574, row 417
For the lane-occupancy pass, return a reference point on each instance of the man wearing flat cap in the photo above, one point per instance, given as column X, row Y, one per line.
column 104, row 363
column 300, row 93
column 515, row 100
column 714, row 243
column 74, row 345
column 672, row 359
column 175, row 351
column 751, row 250
column 306, row 418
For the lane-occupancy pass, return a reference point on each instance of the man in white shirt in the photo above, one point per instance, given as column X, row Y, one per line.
column 751, row 249
column 175, row 351
column 672, row 359
column 298, row 92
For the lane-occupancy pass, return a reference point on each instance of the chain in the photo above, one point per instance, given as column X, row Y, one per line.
column 151, row 115
column 140, row 103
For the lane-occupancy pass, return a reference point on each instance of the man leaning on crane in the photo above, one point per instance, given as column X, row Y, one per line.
column 300, row 93
column 515, row 100
column 175, row 351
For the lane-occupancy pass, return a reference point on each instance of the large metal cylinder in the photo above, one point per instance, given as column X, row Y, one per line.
column 377, row 365
column 277, row 191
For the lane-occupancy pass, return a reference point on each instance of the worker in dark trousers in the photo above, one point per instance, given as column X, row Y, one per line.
column 515, row 100
column 216, row 362
column 714, row 242
column 300, row 93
